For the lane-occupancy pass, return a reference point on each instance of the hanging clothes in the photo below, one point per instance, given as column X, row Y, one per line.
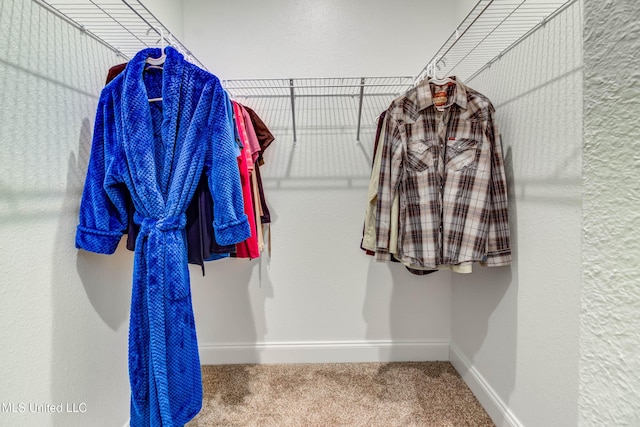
column 201, row 242
column 255, row 151
column 368, row 243
column 157, row 153
column 114, row 71
column 254, row 137
column 264, row 135
column 265, row 138
column 249, row 247
column 442, row 156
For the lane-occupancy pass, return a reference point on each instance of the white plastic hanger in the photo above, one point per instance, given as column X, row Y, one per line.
column 157, row 62
column 432, row 70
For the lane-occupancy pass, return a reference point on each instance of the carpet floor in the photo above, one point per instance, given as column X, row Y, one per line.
column 402, row 394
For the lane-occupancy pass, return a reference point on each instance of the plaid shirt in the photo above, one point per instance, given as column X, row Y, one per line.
column 446, row 164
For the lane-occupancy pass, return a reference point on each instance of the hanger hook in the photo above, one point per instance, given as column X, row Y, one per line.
column 433, row 66
column 160, row 31
column 436, row 66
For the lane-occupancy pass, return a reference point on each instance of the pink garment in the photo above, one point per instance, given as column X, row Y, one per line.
column 248, row 248
column 244, row 135
column 252, row 138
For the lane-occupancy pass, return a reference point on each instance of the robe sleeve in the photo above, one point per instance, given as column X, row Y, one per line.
column 230, row 223
column 103, row 213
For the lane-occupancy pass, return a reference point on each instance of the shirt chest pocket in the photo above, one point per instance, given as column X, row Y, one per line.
column 462, row 153
column 420, row 153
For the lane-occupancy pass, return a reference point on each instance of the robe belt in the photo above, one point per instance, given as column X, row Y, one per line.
column 156, row 281
column 163, row 224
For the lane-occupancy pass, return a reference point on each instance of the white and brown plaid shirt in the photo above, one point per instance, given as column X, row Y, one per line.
column 446, row 164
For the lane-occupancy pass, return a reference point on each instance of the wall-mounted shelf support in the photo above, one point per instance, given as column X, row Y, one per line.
column 360, row 108
column 293, row 111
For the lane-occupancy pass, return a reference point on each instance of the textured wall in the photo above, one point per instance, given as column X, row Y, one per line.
column 610, row 337
column 63, row 314
column 519, row 327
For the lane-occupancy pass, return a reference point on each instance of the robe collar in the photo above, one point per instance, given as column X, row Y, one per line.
column 138, row 134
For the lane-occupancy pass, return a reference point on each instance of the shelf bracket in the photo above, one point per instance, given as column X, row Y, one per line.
column 293, row 111
column 360, row 108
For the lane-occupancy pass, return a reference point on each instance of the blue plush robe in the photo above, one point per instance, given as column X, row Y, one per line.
column 157, row 151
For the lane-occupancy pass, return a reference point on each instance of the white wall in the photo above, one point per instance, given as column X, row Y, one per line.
column 63, row 314
column 610, row 311
column 462, row 9
column 169, row 13
column 318, row 298
column 310, row 38
column 515, row 331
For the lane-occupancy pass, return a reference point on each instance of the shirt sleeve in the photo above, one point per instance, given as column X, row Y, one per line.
column 369, row 233
column 388, row 181
column 103, row 214
column 230, row 223
column 498, row 241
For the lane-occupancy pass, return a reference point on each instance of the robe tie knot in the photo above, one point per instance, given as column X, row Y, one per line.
column 162, row 224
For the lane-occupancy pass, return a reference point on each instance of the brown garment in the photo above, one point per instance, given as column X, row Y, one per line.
column 265, row 137
column 114, row 71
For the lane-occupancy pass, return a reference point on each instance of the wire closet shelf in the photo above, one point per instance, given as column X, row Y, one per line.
column 349, row 94
column 124, row 26
column 488, row 31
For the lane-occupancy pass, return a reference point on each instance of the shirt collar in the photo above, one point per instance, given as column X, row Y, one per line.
column 425, row 99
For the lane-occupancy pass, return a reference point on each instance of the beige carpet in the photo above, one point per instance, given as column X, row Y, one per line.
column 349, row 394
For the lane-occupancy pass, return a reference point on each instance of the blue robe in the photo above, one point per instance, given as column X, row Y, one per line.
column 156, row 152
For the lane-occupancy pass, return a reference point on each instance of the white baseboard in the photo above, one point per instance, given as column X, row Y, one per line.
column 488, row 398
column 324, row 352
